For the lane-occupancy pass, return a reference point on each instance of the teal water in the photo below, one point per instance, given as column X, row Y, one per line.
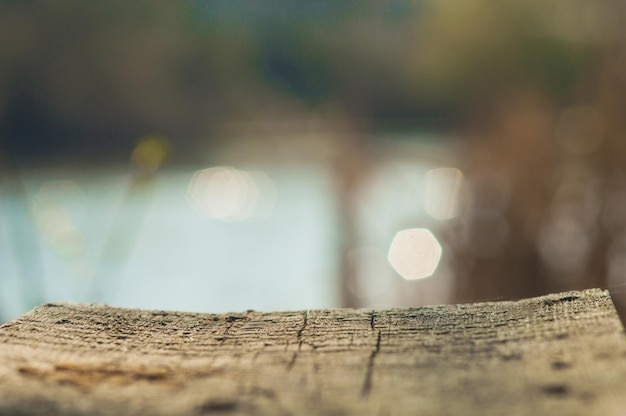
column 94, row 237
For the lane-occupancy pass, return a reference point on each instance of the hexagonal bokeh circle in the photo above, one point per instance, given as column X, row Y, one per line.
column 415, row 253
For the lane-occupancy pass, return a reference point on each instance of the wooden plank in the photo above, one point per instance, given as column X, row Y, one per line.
column 557, row 354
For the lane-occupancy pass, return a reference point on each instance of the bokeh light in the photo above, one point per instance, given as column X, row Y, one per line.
column 53, row 219
column 231, row 195
column 442, row 199
column 415, row 253
column 150, row 153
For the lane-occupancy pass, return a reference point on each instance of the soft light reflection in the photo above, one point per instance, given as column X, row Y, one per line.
column 265, row 198
column 59, row 191
column 53, row 220
column 442, row 199
column 150, row 153
column 415, row 253
column 229, row 194
column 371, row 272
column 580, row 130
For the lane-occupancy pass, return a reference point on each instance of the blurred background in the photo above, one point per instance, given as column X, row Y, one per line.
column 227, row 155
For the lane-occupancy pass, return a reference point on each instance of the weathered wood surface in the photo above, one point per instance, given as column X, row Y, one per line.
column 558, row 354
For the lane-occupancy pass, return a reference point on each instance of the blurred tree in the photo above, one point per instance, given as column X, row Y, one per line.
column 93, row 77
column 541, row 94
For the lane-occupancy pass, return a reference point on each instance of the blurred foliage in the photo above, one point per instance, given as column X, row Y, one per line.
column 98, row 75
column 107, row 71
column 482, row 47
column 543, row 91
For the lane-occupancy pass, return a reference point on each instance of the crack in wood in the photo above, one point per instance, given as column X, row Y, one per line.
column 373, row 321
column 301, row 330
column 230, row 323
column 367, row 383
column 292, row 362
column 306, row 320
column 564, row 299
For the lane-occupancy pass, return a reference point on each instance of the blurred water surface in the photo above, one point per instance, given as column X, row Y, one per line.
column 92, row 238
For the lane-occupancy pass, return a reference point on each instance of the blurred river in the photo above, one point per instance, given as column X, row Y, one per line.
column 163, row 243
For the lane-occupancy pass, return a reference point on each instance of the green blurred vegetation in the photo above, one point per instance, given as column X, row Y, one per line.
column 90, row 77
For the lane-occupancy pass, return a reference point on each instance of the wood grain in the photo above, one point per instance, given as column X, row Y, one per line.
column 557, row 354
